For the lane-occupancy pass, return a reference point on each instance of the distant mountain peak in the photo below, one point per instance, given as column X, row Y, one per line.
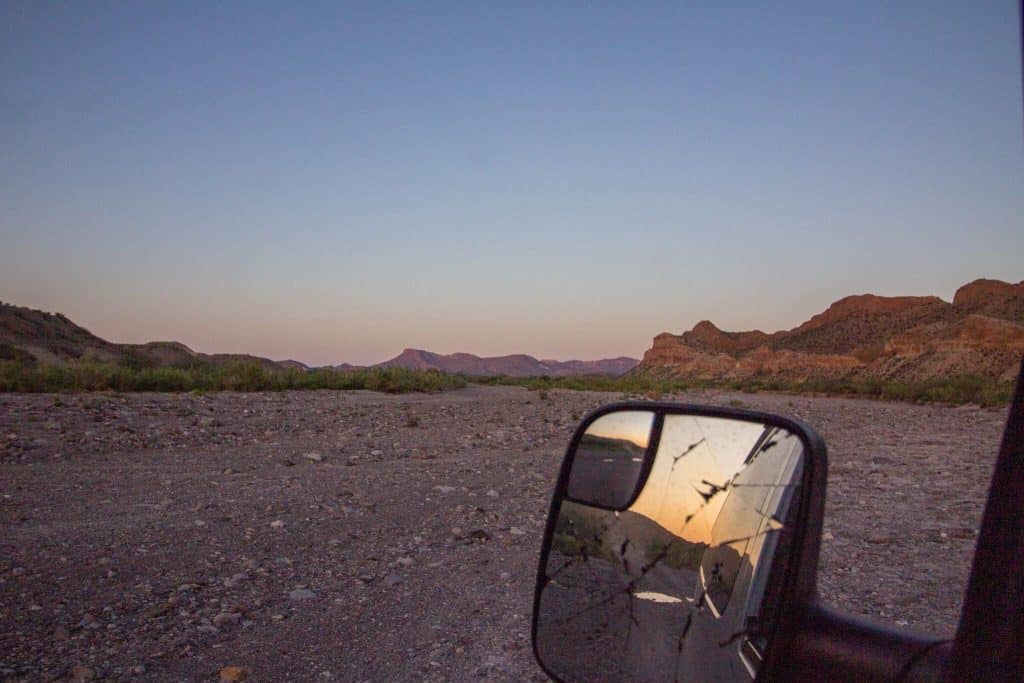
column 513, row 365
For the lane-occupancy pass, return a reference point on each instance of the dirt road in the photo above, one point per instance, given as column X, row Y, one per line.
column 364, row 537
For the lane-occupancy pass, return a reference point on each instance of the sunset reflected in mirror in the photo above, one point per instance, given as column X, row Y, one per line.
column 676, row 586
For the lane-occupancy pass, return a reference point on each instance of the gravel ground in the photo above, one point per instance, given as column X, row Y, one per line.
column 366, row 537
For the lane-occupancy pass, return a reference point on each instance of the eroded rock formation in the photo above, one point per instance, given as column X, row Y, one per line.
column 864, row 336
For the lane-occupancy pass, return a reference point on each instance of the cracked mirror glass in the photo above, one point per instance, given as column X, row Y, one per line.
column 609, row 459
column 684, row 584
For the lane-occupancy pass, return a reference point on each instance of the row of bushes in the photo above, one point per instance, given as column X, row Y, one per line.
column 17, row 376
column 72, row 377
column 957, row 389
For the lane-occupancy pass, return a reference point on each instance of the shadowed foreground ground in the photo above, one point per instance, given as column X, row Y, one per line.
column 361, row 536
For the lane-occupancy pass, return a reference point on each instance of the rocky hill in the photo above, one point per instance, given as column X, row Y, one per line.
column 33, row 336
column 864, row 336
column 517, row 365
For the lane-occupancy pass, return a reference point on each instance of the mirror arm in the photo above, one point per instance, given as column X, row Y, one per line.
column 830, row 645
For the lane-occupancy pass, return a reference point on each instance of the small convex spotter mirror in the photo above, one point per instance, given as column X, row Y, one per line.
column 673, row 544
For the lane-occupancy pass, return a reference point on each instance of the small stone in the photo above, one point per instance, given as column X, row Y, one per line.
column 227, row 618
column 313, row 456
column 60, row 633
column 393, row 579
column 492, row 493
column 376, row 453
column 444, row 489
column 235, row 579
column 405, row 561
column 516, row 531
column 138, row 669
column 229, row 674
column 300, row 594
column 277, row 524
column 156, row 611
column 82, row 673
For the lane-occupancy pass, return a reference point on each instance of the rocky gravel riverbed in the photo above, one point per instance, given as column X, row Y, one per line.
column 366, row 537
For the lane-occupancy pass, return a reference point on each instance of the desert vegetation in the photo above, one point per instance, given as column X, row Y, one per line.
column 90, row 376
column 87, row 376
column 956, row 389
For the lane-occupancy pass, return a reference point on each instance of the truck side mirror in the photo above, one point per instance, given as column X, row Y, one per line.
column 679, row 540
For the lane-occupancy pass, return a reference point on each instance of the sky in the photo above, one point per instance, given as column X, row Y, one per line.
column 336, row 182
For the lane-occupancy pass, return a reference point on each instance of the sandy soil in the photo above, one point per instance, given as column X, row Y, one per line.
column 364, row 537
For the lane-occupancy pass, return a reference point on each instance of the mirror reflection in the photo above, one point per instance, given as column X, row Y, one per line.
column 682, row 585
column 609, row 459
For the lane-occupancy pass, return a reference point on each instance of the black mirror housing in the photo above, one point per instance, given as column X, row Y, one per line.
column 653, row 497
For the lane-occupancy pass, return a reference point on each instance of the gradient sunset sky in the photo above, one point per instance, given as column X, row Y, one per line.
column 334, row 182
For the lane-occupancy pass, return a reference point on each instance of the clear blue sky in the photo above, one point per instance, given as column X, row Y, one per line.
column 335, row 182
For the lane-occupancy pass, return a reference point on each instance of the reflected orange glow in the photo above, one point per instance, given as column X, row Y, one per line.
column 695, row 455
column 632, row 425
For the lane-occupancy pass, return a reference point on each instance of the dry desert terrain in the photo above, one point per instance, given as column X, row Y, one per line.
column 367, row 537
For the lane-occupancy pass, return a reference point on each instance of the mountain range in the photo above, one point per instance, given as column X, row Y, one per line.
column 517, row 365
column 33, row 336
column 904, row 338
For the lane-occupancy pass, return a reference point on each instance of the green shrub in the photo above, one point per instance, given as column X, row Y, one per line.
column 17, row 375
column 958, row 389
column 201, row 378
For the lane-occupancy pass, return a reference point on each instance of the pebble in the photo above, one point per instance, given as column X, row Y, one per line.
column 277, row 524
column 226, row 618
column 82, row 673
column 231, row 674
column 300, row 594
column 235, row 579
